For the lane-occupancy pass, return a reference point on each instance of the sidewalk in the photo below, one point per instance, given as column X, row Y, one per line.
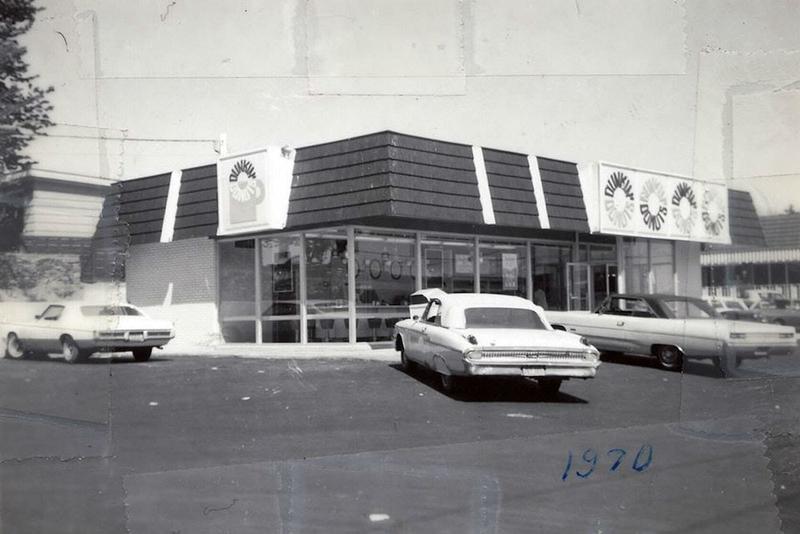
column 359, row 351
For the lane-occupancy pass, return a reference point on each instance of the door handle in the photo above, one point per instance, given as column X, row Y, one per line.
column 620, row 323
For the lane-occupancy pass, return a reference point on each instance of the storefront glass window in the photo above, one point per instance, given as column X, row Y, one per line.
column 280, row 289
column 662, row 266
column 777, row 273
column 794, row 272
column 385, row 277
column 449, row 264
column 636, row 266
column 237, row 307
column 743, row 274
column 504, row 268
column 326, row 289
column 761, row 274
column 549, row 271
column 604, row 272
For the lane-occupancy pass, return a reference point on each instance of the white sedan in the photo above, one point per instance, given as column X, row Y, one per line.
column 672, row 328
column 472, row 335
column 77, row 330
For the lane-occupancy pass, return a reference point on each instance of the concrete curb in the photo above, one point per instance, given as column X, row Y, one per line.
column 359, row 351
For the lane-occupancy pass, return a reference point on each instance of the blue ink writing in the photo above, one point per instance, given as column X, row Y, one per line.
column 641, row 461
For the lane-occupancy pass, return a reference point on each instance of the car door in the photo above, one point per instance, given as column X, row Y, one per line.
column 646, row 327
column 426, row 349
column 415, row 348
column 44, row 332
column 605, row 326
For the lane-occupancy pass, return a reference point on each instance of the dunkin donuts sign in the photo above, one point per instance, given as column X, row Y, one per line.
column 649, row 204
column 253, row 190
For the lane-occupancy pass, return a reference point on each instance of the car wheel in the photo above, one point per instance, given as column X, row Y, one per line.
column 70, row 350
column 449, row 383
column 728, row 364
column 669, row 358
column 14, row 347
column 408, row 365
column 549, row 386
column 142, row 354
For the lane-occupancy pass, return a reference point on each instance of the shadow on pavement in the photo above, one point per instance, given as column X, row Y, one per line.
column 692, row 367
column 93, row 360
column 491, row 389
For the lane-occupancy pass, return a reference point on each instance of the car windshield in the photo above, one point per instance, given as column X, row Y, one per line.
column 502, row 318
column 91, row 311
column 734, row 305
column 688, row 309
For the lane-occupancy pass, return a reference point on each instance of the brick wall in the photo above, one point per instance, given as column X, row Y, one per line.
column 177, row 281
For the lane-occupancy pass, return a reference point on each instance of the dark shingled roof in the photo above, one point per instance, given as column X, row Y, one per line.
column 384, row 176
column 782, row 231
column 744, row 223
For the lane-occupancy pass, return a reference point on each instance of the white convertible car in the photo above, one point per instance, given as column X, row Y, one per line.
column 77, row 330
column 471, row 335
column 672, row 328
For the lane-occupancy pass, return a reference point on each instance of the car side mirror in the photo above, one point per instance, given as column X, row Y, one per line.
column 416, row 317
column 38, row 316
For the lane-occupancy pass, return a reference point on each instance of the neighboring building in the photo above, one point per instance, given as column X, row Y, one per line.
column 771, row 263
column 49, row 212
column 47, row 220
column 326, row 243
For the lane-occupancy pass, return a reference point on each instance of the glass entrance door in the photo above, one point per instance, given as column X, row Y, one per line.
column 577, row 286
column 589, row 283
column 604, row 282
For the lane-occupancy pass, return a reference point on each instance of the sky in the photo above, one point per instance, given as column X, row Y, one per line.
column 705, row 89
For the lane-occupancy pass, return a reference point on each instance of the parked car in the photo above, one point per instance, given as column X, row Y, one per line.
column 778, row 312
column 735, row 309
column 78, row 330
column 673, row 328
column 474, row 335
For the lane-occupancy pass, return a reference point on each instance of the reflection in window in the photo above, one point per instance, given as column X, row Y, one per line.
column 385, row 276
column 550, row 265
column 503, row 268
column 280, row 289
column 448, row 264
column 326, row 290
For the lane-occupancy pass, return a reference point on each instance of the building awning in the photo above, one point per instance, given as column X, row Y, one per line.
column 780, row 240
column 378, row 178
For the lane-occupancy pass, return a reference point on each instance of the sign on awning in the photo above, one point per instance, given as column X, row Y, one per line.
column 253, row 190
column 649, row 204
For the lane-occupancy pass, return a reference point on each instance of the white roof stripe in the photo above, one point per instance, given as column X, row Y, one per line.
column 483, row 185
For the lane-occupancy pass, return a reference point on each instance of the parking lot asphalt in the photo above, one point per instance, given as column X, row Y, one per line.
column 192, row 444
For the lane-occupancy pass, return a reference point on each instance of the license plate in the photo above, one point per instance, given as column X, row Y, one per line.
column 532, row 371
column 137, row 338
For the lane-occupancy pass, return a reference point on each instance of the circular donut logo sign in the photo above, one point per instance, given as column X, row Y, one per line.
column 713, row 213
column 653, row 204
column 242, row 183
column 618, row 194
column 684, row 207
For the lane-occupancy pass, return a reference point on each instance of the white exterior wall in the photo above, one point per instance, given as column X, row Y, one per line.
column 177, row 281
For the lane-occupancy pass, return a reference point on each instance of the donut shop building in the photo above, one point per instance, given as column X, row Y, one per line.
column 325, row 243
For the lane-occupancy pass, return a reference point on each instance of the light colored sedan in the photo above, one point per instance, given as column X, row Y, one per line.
column 673, row 328
column 473, row 335
column 78, row 330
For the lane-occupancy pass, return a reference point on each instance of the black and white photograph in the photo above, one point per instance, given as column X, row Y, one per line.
column 409, row 266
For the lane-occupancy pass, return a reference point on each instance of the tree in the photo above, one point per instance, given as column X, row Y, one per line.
column 24, row 108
